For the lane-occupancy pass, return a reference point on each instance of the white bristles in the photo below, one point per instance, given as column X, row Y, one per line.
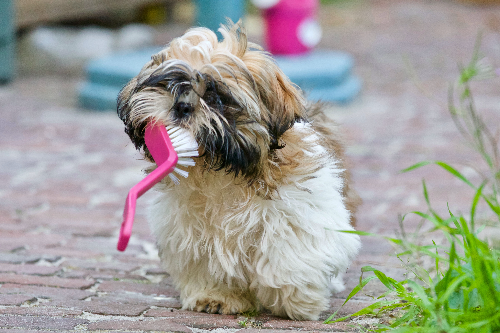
column 174, row 178
column 185, row 146
column 181, row 172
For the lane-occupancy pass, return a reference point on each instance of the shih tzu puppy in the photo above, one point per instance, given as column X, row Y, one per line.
column 256, row 223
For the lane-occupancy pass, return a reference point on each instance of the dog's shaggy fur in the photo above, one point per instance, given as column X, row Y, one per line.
column 255, row 223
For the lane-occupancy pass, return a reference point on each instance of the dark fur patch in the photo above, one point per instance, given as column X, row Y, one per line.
column 228, row 149
column 135, row 133
column 176, row 79
column 278, row 127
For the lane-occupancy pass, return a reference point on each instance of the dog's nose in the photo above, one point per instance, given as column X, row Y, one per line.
column 183, row 109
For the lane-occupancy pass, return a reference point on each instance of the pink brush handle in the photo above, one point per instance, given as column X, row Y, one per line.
column 164, row 154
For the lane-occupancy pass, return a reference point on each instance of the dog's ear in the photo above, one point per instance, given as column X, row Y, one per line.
column 135, row 133
column 282, row 99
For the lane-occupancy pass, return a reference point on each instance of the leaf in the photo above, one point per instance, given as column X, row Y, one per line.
column 422, row 295
column 356, row 289
column 443, row 165
column 451, row 288
column 409, row 316
column 416, row 166
column 367, row 310
column 477, row 196
column 454, row 172
column 358, row 232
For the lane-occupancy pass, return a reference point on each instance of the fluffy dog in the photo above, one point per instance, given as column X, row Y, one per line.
column 255, row 223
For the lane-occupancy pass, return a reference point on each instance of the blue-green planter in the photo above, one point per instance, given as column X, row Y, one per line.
column 323, row 75
column 211, row 13
column 6, row 40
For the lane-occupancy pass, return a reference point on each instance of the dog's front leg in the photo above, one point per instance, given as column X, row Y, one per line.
column 203, row 292
column 291, row 280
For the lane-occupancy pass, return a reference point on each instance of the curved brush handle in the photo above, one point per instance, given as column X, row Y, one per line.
column 162, row 150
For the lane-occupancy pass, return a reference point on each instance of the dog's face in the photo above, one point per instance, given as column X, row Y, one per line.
column 230, row 95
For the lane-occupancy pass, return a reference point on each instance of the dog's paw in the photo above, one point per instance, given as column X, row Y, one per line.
column 223, row 305
column 211, row 306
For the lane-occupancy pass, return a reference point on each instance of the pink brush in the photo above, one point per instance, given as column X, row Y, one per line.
column 168, row 146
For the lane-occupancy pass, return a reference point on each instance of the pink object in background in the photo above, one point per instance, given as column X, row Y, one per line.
column 291, row 26
column 163, row 152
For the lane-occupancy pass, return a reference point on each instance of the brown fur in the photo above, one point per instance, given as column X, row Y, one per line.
column 251, row 124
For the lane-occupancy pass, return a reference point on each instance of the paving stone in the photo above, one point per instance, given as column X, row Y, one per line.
column 41, row 310
column 114, row 309
column 51, row 281
column 21, row 331
column 28, row 269
column 66, row 252
column 104, row 306
column 106, row 264
column 14, row 258
column 139, row 299
column 209, row 322
column 15, row 299
column 143, row 288
column 163, row 325
column 308, row 325
column 31, row 240
column 354, row 305
column 50, row 293
column 259, row 330
column 34, row 323
column 183, row 314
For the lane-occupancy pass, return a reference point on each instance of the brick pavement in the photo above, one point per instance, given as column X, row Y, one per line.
column 65, row 173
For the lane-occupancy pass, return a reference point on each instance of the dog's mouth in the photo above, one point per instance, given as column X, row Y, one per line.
column 207, row 108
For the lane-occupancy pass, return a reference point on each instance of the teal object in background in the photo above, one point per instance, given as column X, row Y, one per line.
column 323, row 75
column 211, row 13
column 107, row 76
column 6, row 40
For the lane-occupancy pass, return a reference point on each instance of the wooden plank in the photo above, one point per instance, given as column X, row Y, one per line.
column 31, row 12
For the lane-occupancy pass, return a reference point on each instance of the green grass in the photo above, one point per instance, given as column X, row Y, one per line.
column 461, row 292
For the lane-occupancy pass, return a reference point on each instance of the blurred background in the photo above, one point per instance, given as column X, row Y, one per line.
column 383, row 37
column 402, row 55
column 66, row 165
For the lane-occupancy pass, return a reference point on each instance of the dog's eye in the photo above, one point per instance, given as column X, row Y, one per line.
column 212, row 99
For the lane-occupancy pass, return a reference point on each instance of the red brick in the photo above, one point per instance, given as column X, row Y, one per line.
column 195, row 319
column 15, row 299
column 17, row 239
column 42, row 322
column 354, row 305
column 137, row 299
column 104, row 306
column 103, row 275
column 59, row 294
column 64, row 251
column 41, row 310
column 50, row 281
column 113, row 265
column 209, row 322
column 304, row 325
column 142, row 288
column 260, row 330
column 156, row 271
column 28, row 269
column 19, row 258
column 10, row 330
column 163, row 325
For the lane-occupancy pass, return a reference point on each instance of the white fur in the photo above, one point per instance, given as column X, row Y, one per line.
column 221, row 243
